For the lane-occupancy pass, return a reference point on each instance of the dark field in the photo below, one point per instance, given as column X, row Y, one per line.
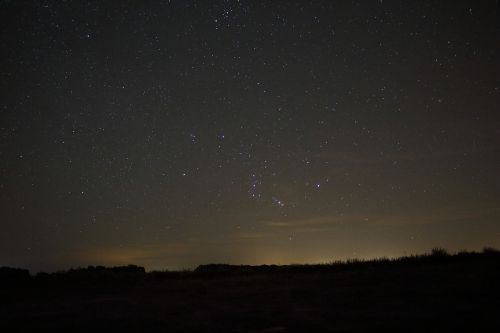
column 432, row 293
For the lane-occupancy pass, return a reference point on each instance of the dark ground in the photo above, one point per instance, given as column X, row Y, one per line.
column 432, row 293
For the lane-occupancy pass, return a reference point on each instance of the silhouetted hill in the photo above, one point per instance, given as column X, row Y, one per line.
column 434, row 292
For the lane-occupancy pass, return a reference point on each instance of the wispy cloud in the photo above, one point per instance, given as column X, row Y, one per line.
column 309, row 224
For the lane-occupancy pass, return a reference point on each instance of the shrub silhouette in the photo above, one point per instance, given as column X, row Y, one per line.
column 439, row 252
column 14, row 275
column 490, row 250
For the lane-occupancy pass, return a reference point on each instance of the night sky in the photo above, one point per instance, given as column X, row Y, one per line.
column 175, row 133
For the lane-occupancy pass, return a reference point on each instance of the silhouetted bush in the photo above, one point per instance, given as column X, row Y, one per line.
column 439, row 252
column 14, row 275
column 490, row 250
column 92, row 277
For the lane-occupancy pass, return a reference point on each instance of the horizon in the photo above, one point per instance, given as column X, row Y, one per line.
column 339, row 261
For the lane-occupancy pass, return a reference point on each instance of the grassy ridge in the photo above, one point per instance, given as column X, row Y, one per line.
column 432, row 292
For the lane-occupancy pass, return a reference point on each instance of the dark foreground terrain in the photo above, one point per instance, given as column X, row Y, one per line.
column 430, row 293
